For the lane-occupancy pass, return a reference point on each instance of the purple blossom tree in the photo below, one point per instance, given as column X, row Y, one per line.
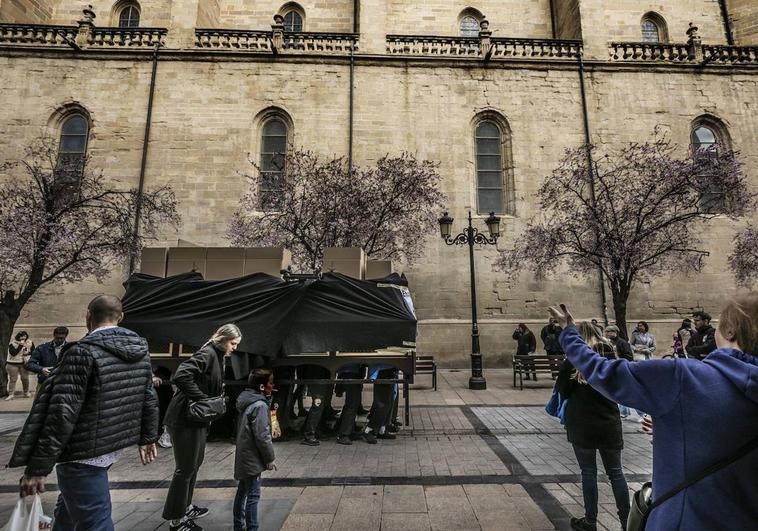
column 743, row 260
column 61, row 222
column 312, row 204
column 643, row 219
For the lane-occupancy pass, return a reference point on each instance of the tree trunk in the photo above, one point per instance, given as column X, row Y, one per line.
column 619, row 310
column 8, row 318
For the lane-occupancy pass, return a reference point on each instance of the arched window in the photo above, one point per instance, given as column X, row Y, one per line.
column 273, row 153
column 653, row 28
column 129, row 17
column 469, row 26
column 707, row 137
column 293, row 22
column 72, row 149
column 493, row 179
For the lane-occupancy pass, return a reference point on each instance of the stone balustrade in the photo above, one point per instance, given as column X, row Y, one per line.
column 263, row 41
column 734, row 55
column 126, row 37
column 650, row 51
column 256, row 41
column 433, row 46
column 37, row 34
column 329, row 43
column 540, row 48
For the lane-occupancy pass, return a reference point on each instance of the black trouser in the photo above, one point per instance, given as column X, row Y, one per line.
column 283, row 396
column 384, row 395
column 352, row 403
column 320, row 396
column 189, row 452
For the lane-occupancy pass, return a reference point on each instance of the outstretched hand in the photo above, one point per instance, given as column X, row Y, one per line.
column 562, row 316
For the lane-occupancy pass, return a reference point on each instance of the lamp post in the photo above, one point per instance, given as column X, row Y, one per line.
column 469, row 237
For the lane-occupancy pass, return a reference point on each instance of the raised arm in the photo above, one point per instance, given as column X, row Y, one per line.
column 651, row 386
column 34, row 361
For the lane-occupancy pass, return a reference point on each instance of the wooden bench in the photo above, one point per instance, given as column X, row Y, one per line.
column 427, row 365
column 523, row 365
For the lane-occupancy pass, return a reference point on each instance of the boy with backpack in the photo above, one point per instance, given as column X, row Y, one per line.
column 255, row 449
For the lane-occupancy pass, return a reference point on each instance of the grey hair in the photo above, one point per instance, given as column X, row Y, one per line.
column 224, row 334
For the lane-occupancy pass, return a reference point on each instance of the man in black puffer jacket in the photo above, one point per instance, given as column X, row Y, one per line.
column 98, row 400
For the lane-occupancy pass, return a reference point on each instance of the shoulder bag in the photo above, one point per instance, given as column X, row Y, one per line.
column 642, row 503
column 207, row 409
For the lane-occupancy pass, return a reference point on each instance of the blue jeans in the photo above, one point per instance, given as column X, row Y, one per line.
column 586, row 457
column 246, row 504
column 84, row 502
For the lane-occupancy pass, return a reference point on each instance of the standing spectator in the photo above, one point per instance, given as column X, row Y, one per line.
column 643, row 342
column 255, row 449
column 620, row 345
column 703, row 341
column 47, row 355
column 98, row 401
column 527, row 345
column 597, row 327
column 623, row 351
column 593, row 426
column 702, row 413
column 549, row 336
column 681, row 338
column 197, row 378
column 19, row 352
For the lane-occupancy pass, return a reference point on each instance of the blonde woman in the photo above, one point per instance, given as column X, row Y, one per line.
column 703, row 412
column 593, row 426
column 200, row 377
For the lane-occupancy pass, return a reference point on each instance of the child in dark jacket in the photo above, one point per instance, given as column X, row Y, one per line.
column 255, row 449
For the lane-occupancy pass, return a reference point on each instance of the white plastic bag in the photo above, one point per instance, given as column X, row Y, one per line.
column 28, row 516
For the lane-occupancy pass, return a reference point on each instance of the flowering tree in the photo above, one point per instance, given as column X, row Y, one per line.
column 643, row 220
column 62, row 222
column 744, row 258
column 313, row 204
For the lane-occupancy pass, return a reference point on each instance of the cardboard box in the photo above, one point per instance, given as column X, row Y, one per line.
column 153, row 261
column 186, row 259
column 269, row 260
column 350, row 261
column 378, row 268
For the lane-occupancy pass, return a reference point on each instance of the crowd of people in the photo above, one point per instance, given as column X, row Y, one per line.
column 701, row 403
column 701, row 407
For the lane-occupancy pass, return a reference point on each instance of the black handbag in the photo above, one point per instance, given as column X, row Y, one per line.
column 207, row 409
column 642, row 502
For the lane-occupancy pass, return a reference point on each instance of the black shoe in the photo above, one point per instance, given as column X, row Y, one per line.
column 344, row 439
column 581, row 524
column 195, row 512
column 393, row 428
column 185, row 525
column 369, row 438
column 362, row 412
column 310, row 441
column 386, row 435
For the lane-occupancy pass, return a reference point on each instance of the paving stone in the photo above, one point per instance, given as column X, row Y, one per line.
column 308, row 522
column 404, row 499
column 405, row 522
column 318, row 500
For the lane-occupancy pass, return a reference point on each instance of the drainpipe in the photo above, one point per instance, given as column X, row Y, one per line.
column 727, row 22
column 553, row 22
column 350, row 110
column 143, row 163
column 590, row 166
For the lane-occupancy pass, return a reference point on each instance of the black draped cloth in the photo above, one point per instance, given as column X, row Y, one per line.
column 277, row 318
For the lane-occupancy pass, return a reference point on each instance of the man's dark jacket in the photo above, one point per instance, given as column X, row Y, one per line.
column 702, row 342
column 197, row 378
column 97, row 400
column 623, row 348
column 549, row 336
column 42, row 356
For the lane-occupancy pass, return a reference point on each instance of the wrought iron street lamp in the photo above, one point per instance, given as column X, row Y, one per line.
column 471, row 236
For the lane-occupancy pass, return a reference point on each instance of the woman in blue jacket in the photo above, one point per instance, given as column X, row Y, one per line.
column 702, row 411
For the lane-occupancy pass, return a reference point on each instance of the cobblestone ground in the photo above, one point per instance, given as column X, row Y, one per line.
column 490, row 460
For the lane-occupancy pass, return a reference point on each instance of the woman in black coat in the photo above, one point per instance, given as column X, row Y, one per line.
column 200, row 377
column 593, row 425
column 527, row 344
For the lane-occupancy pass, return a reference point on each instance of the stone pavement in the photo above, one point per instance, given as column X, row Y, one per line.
column 486, row 460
